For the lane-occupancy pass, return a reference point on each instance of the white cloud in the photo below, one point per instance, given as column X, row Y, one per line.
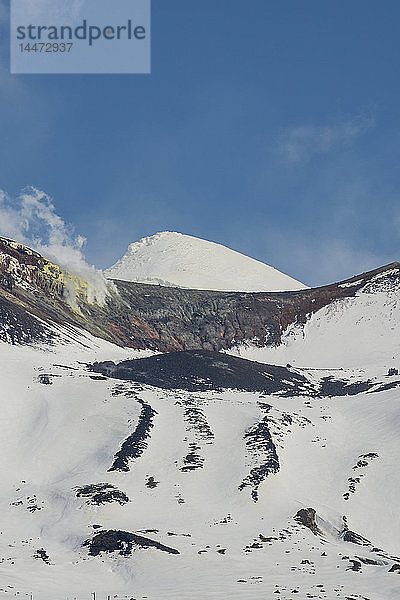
column 316, row 260
column 31, row 219
column 301, row 143
column 336, row 259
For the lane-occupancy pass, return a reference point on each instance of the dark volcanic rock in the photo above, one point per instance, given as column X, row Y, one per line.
column 122, row 542
column 202, row 370
column 41, row 554
column 33, row 301
column 385, row 387
column 152, row 483
column 259, row 443
column 171, row 319
column 136, row 443
column 192, row 460
column 332, row 387
column 306, row 516
column 101, row 493
column 196, row 422
column 368, row 561
column 45, row 379
column 355, row 565
column 355, row 538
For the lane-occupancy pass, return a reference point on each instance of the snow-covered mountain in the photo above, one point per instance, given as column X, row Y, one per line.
column 134, row 470
column 174, row 259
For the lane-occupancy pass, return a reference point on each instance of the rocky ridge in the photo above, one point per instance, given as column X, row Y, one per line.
column 34, row 308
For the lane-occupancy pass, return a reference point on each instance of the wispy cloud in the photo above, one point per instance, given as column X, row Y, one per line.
column 301, row 143
column 335, row 259
column 31, row 219
column 320, row 260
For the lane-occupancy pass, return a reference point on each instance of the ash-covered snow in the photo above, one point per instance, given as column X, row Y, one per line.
column 175, row 259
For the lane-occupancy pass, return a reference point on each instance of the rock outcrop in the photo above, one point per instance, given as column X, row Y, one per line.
column 34, row 306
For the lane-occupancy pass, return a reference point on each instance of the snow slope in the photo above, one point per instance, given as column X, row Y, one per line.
column 360, row 331
column 174, row 259
column 62, row 436
column 181, row 486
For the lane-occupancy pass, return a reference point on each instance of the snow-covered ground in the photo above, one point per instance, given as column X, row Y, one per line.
column 362, row 331
column 62, row 436
column 174, row 259
column 63, row 425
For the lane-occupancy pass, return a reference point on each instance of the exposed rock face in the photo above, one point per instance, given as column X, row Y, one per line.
column 394, row 568
column 32, row 302
column 101, row 493
column 307, row 516
column 123, row 542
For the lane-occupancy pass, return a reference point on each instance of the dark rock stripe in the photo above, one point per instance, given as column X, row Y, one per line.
column 259, row 444
column 136, row 443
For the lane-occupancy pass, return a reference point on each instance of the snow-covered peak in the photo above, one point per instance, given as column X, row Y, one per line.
column 174, row 259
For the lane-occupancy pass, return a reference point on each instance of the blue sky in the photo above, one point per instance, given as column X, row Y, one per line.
column 272, row 127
